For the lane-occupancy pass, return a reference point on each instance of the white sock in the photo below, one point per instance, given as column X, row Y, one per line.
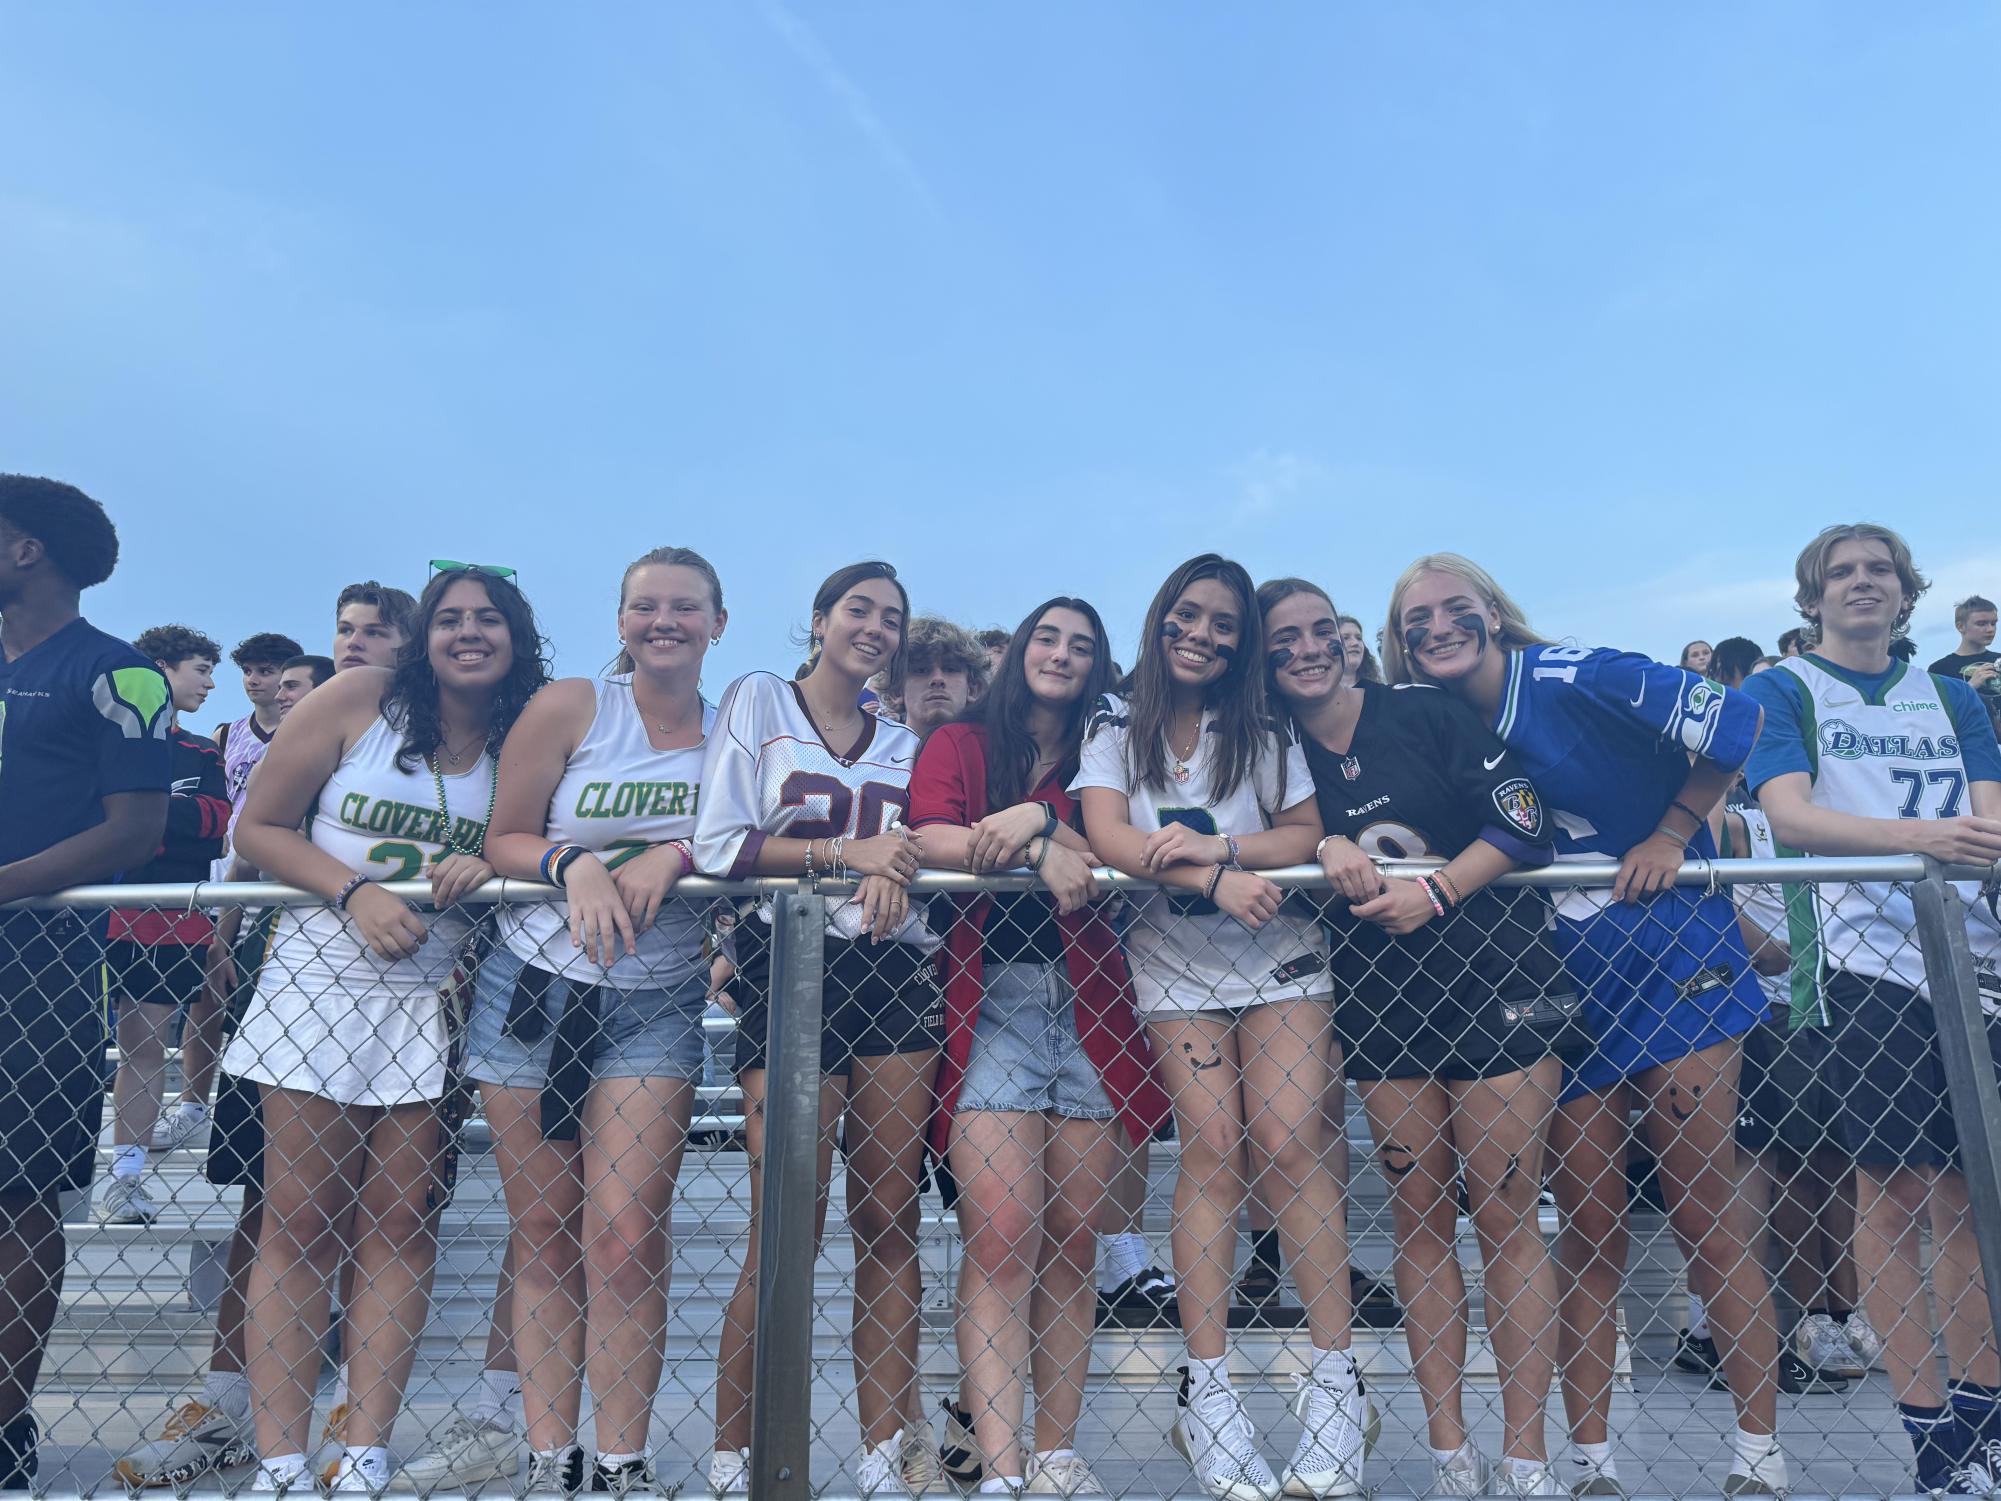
column 128, row 1161
column 193, row 1110
column 497, row 1399
column 1000, row 1485
column 280, row 1469
column 371, row 1460
column 1043, row 1456
column 1444, row 1458
column 1758, row 1454
column 613, row 1461
column 227, row 1391
column 1698, row 1317
column 1335, row 1368
column 1596, row 1457
column 1206, row 1373
column 1123, row 1257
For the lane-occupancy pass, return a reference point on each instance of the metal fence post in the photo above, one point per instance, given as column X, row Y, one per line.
column 781, row 1429
column 1969, row 1064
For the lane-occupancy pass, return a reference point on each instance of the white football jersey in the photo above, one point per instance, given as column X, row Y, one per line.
column 767, row 771
column 1187, row 955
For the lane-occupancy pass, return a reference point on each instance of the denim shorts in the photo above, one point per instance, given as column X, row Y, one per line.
column 642, row 1034
column 1026, row 1055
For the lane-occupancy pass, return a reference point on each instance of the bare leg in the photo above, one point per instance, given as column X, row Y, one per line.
column 1959, row 1286
column 1889, row 1260
column 997, row 1158
column 1588, row 1155
column 231, row 1316
column 1077, row 1161
column 635, row 1131
column 201, row 1038
column 142, row 1070
column 1200, row 1073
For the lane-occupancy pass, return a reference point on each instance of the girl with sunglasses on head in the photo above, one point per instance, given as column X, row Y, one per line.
column 1044, row 1059
column 1632, row 756
column 1185, row 783
column 586, row 1028
column 391, row 774
column 798, row 779
column 1453, row 1008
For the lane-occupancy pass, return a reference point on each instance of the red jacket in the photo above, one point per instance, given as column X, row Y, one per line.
column 949, row 786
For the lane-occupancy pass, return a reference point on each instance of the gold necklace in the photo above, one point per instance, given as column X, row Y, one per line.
column 453, row 757
column 1181, row 766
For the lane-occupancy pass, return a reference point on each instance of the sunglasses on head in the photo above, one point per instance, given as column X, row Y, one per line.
column 450, row 565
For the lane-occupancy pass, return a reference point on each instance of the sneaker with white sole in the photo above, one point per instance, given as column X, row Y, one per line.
column 729, row 1472
column 176, row 1129
column 880, row 1472
column 1766, row 1478
column 126, row 1202
column 959, row 1452
column 1215, row 1436
column 1464, row 1474
column 198, row 1441
column 1864, row 1340
column 334, row 1436
column 353, row 1477
column 1823, row 1345
column 1333, row 1441
column 1062, row 1474
column 1540, row 1481
column 557, row 1474
column 921, row 1469
column 636, row 1477
column 468, row 1453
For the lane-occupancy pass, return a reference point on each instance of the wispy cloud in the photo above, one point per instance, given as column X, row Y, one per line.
column 861, row 111
column 1268, row 478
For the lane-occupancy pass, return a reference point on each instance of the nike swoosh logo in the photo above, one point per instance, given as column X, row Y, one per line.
column 1490, row 765
column 1642, row 694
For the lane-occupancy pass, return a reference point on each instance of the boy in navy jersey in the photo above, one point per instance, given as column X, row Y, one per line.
column 84, row 771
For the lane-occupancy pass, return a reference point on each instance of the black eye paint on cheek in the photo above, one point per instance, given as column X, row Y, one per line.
column 1474, row 626
column 1414, row 638
column 1226, row 651
column 1277, row 659
column 1170, row 630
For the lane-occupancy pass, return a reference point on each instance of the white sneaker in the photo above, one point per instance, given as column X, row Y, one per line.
column 729, row 1472
column 557, row 1474
column 1464, row 1474
column 1063, row 1474
column 1864, row 1340
column 1328, row 1461
column 176, row 1129
column 353, row 1477
column 1822, row 1345
column 959, row 1453
column 126, row 1202
column 1766, row 1478
column 881, row 1469
column 921, row 1469
column 467, row 1453
column 198, row 1441
column 1215, row 1436
column 1510, row 1481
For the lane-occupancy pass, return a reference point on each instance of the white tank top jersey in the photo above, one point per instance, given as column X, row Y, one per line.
column 768, row 772
column 1894, row 756
column 619, row 795
column 242, row 748
column 384, row 823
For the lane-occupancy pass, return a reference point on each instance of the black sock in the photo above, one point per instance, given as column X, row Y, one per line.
column 1937, row 1439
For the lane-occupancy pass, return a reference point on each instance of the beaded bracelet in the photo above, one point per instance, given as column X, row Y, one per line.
column 354, row 884
column 1445, row 885
column 1431, row 895
column 1236, row 854
column 686, row 851
column 1215, row 880
column 809, row 858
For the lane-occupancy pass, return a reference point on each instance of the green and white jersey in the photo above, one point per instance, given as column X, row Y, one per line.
column 1894, row 747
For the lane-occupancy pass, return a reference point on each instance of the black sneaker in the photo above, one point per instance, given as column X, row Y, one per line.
column 633, row 1478
column 959, row 1454
column 1697, row 1356
column 1798, row 1379
column 1144, row 1300
column 1376, row 1305
column 19, row 1459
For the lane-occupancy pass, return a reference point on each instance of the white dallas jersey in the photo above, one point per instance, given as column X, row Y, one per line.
column 768, row 772
column 1187, row 955
column 1874, row 759
column 618, row 796
column 1764, row 905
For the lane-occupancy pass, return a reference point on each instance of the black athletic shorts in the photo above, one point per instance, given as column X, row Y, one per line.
column 1463, row 1041
column 1785, row 1102
column 1885, row 1076
column 160, row 974
column 236, row 1124
column 52, row 1043
column 878, row 999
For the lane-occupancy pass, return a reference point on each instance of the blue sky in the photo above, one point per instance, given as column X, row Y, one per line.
column 1624, row 301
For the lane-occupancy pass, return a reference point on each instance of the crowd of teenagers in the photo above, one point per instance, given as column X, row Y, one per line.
column 1775, row 1049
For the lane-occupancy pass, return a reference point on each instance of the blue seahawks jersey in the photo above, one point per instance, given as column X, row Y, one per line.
column 1606, row 736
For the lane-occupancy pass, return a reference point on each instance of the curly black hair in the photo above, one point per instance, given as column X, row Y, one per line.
column 265, row 649
column 174, row 644
column 411, row 704
column 75, row 534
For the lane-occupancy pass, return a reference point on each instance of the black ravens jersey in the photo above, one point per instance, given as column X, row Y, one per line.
column 1479, row 991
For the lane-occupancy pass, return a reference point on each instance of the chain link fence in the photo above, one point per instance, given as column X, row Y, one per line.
column 899, row 1253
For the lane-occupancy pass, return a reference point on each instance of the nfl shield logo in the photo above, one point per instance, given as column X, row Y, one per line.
column 1517, row 801
column 1350, row 768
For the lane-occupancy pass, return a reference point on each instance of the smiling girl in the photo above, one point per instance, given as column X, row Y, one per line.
column 1184, row 783
column 798, row 779
column 347, row 1030
column 1632, row 755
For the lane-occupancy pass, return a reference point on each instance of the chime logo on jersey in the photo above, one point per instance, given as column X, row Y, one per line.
column 1844, row 742
column 1517, row 802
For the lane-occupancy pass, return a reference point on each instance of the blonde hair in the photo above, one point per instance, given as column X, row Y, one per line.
column 672, row 557
column 1810, row 571
column 1515, row 629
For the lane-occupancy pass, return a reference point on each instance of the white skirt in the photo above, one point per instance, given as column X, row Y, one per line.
column 329, row 1018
